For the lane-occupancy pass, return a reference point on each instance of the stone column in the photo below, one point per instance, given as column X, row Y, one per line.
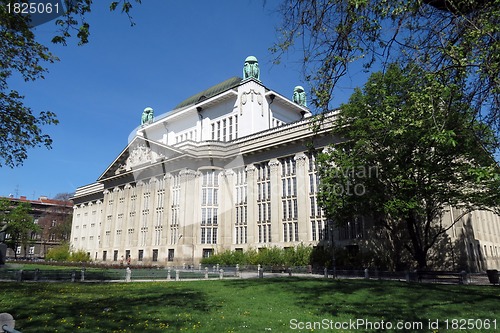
column 226, row 208
column 276, row 193
column 150, row 219
column 303, row 203
column 252, row 228
column 105, row 226
column 167, row 212
column 114, row 195
column 188, row 213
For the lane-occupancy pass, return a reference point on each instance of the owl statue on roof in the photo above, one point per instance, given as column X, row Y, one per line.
column 251, row 68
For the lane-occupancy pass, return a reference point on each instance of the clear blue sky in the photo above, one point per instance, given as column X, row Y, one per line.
column 98, row 91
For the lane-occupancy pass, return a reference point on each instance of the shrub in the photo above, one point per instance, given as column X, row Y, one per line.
column 63, row 253
column 273, row 256
column 80, row 256
column 59, row 253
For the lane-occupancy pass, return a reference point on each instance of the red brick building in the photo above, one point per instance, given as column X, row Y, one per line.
column 54, row 218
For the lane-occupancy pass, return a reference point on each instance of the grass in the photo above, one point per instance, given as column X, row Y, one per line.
column 257, row 305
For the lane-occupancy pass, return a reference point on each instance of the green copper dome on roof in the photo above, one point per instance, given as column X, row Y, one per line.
column 210, row 92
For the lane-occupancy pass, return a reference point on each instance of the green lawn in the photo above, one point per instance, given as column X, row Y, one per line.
column 257, row 305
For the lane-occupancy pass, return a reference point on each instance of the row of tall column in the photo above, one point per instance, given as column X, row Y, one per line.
column 140, row 217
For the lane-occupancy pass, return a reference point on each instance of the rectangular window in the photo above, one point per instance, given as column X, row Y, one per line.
column 140, row 255
column 207, row 253
column 155, row 255
column 170, row 255
column 209, row 192
column 263, row 202
column 236, row 126
column 224, row 130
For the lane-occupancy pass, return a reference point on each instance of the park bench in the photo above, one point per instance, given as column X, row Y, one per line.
column 441, row 276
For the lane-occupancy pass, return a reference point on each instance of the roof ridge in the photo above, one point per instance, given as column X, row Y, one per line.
column 210, row 92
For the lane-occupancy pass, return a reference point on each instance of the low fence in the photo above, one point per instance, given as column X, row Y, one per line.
column 220, row 272
column 123, row 274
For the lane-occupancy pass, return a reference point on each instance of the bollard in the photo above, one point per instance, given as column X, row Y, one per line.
column 176, row 275
column 367, row 273
column 206, row 272
column 463, row 275
column 407, row 274
column 73, row 275
column 326, row 273
column 7, row 323
column 217, row 269
column 221, row 274
column 82, row 277
column 168, row 274
column 128, row 274
column 237, row 270
column 20, row 276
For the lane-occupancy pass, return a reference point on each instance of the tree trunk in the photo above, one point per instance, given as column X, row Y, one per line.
column 418, row 248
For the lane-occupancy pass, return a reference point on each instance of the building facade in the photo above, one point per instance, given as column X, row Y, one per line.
column 232, row 167
column 54, row 217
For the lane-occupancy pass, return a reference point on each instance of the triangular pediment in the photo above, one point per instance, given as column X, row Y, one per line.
column 139, row 153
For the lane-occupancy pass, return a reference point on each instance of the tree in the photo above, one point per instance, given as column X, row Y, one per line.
column 411, row 150
column 456, row 39
column 19, row 225
column 20, row 127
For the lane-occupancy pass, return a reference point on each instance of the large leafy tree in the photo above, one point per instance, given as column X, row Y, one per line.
column 411, row 150
column 19, row 225
column 21, row 128
column 456, row 39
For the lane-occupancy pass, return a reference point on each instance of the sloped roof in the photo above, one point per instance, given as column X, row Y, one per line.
column 210, row 92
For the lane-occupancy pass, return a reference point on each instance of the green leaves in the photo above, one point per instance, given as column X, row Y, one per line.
column 452, row 40
column 420, row 137
column 20, row 127
column 18, row 223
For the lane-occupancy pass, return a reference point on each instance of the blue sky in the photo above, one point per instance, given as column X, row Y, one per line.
column 98, row 91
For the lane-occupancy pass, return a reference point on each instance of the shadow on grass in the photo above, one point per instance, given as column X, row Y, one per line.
column 96, row 308
column 382, row 300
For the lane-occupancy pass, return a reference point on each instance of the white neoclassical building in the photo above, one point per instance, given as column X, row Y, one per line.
column 231, row 167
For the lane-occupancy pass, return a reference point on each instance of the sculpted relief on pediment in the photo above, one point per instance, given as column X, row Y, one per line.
column 138, row 156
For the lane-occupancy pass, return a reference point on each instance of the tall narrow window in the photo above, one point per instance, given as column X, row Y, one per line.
column 236, row 134
column 318, row 224
column 240, row 227
column 209, row 207
column 224, row 129
column 289, row 199
column 264, row 202
column 175, row 209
